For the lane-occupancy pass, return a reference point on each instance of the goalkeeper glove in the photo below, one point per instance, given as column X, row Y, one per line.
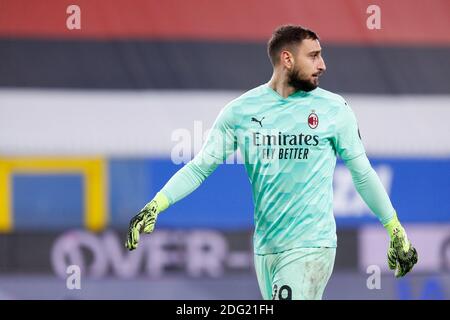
column 145, row 220
column 402, row 256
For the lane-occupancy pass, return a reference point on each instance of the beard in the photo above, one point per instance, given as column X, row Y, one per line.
column 298, row 83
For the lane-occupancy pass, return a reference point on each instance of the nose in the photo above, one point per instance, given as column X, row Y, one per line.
column 322, row 67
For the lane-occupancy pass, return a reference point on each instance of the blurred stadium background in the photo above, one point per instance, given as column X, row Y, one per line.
column 94, row 121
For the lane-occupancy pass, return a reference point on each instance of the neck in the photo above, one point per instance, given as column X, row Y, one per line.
column 280, row 85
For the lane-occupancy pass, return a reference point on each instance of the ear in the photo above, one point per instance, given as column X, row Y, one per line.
column 287, row 59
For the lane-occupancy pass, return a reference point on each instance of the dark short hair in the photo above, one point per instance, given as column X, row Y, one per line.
column 287, row 35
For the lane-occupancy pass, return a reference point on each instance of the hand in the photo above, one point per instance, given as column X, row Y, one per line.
column 144, row 221
column 402, row 256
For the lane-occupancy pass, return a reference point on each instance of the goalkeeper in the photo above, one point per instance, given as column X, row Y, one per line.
column 289, row 132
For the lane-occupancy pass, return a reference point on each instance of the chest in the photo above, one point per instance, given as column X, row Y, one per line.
column 304, row 121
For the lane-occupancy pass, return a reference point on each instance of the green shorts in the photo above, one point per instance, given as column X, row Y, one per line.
column 296, row 274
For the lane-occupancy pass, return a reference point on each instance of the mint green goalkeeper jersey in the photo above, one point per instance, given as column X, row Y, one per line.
column 289, row 147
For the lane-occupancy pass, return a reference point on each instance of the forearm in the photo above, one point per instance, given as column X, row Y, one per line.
column 370, row 188
column 189, row 177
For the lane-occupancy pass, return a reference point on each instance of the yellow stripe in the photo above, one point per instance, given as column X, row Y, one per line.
column 48, row 165
column 95, row 190
column 5, row 198
column 95, row 195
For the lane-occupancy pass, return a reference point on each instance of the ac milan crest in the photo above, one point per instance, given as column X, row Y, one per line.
column 313, row 120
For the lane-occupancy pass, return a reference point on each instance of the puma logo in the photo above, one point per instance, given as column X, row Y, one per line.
column 259, row 121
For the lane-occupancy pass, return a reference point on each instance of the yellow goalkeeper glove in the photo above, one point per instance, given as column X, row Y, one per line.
column 145, row 220
column 402, row 256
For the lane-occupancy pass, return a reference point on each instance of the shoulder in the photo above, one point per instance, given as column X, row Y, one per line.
column 335, row 105
column 233, row 109
column 331, row 97
column 250, row 95
column 245, row 101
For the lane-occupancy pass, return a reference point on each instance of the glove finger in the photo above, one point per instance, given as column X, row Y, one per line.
column 392, row 265
column 149, row 224
column 403, row 269
column 392, row 259
column 409, row 260
column 392, row 262
column 406, row 266
column 414, row 258
column 135, row 237
column 129, row 246
column 402, row 265
column 399, row 272
column 146, row 224
column 149, row 228
column 129, row 242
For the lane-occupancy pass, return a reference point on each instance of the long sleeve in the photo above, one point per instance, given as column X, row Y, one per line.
column 369, row 186
column 348, row 145
column 219, row 144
